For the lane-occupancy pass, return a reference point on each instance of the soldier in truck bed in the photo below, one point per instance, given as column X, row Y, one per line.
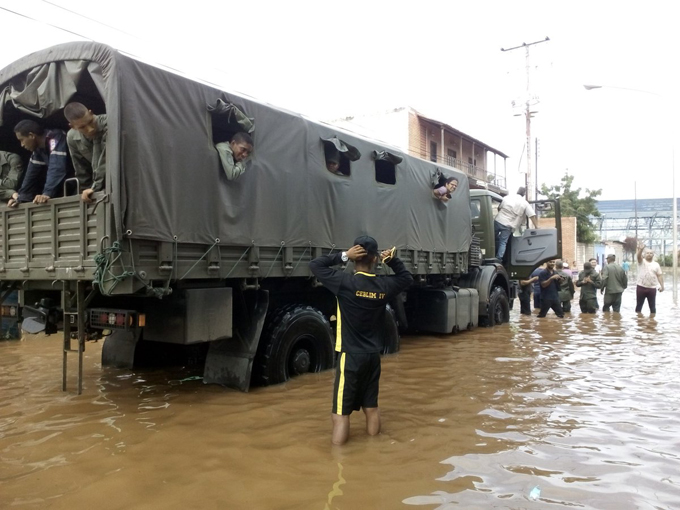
column 87, row 144
column 362, row 297
column 11, row 168
column 48, row 167
column 234, row 155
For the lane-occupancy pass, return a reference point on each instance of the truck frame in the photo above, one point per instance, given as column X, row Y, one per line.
column 173, row 253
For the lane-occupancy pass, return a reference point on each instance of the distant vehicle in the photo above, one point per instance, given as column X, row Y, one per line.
column 175, row 253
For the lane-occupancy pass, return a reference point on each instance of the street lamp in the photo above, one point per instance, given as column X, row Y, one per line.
column 675, row 205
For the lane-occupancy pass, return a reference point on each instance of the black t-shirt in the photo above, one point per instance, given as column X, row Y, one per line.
column 361, row 301
column 551, row 291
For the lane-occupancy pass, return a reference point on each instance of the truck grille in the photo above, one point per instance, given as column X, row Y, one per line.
column 475, row 252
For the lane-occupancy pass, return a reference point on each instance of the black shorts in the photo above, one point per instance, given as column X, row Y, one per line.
column 357, row 380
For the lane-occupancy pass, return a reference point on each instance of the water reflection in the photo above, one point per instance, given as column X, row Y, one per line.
column 583, row 408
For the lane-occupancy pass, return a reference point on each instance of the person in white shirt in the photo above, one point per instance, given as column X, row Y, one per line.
column 511, row 213
column 648, row 277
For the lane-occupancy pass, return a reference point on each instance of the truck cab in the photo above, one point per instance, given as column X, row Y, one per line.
column 527, row 247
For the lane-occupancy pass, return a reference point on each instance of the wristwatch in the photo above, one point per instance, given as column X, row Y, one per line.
column 344, row 256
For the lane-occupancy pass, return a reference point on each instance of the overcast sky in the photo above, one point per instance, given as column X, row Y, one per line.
column 333, row 59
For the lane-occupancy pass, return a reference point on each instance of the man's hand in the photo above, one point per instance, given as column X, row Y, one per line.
column 86, row 196
column 14, row 200
column 356, row 252
column 387, row 255
column 661, row 289
column 41, row 199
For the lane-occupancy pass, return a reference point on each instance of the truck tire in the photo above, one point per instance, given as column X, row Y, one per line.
column 391, row 332
column 296, row 339
column 499, row 308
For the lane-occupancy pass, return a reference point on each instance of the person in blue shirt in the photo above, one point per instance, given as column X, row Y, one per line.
column 550, row 290
column 48, row 167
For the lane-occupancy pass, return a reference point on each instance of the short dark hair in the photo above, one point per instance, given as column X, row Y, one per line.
column 521, row 191
column 242, row 137
column 26, row 127
column 75, row 111
column 451, row 179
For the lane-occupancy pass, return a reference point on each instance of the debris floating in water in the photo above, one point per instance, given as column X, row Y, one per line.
column 535, row 493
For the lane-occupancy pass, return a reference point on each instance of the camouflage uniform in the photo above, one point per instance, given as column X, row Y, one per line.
column 11, row 168
column 588, row 299
column 89, row 155
column 567, row 290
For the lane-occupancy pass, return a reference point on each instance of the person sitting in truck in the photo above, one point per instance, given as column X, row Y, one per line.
column 87, row 144
column 235, row 154
column 332, row 159
column 510, row 217
column 444, row 191
column 11, row 170
column 48, row 167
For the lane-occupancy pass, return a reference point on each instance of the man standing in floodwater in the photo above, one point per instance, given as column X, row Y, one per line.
column 648, row 276
column 589, row 280
column 614, row 282
column 566, row 287
column 362, row 298
column 550, row 289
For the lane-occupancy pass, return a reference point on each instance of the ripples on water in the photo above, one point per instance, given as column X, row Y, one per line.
column 585, row 409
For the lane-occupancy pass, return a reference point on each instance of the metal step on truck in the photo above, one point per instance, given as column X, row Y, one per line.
column 173, row 252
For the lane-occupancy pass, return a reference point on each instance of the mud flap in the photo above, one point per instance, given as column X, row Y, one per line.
column 230, row 361
column 119, row 348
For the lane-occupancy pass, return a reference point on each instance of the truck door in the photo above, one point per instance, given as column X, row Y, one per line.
column 535, row 246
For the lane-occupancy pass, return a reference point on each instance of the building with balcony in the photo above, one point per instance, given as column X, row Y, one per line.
column 433, row 140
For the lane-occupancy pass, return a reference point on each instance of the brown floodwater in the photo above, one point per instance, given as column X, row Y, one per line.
column 539, row 413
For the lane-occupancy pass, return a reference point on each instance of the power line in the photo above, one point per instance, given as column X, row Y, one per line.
column 46, row 23
column 92, row 19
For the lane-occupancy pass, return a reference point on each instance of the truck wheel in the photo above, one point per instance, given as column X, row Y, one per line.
column 392, row 339
column 499, row 308
column 296, row 339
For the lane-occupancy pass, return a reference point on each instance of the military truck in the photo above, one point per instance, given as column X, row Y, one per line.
column 174, row 253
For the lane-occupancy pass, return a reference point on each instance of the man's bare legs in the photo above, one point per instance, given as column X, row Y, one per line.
column 372, row 420
column 340, row 428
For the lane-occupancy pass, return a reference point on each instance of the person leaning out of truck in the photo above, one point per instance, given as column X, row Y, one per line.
column 11, row 169
column 443, row 192
column 87, row 144
column 234, row 155
column 48, row 167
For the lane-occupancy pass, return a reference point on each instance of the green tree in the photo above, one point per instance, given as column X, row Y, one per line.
column 572, row 204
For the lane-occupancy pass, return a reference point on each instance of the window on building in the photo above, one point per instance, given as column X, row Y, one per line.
column 451, row 156
column 338, row 155
column 386, row 166
column 433, row 151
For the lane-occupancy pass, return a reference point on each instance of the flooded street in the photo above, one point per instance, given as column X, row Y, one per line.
column 539, row 413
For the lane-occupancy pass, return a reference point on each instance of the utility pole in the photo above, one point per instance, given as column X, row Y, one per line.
column 527, row 114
